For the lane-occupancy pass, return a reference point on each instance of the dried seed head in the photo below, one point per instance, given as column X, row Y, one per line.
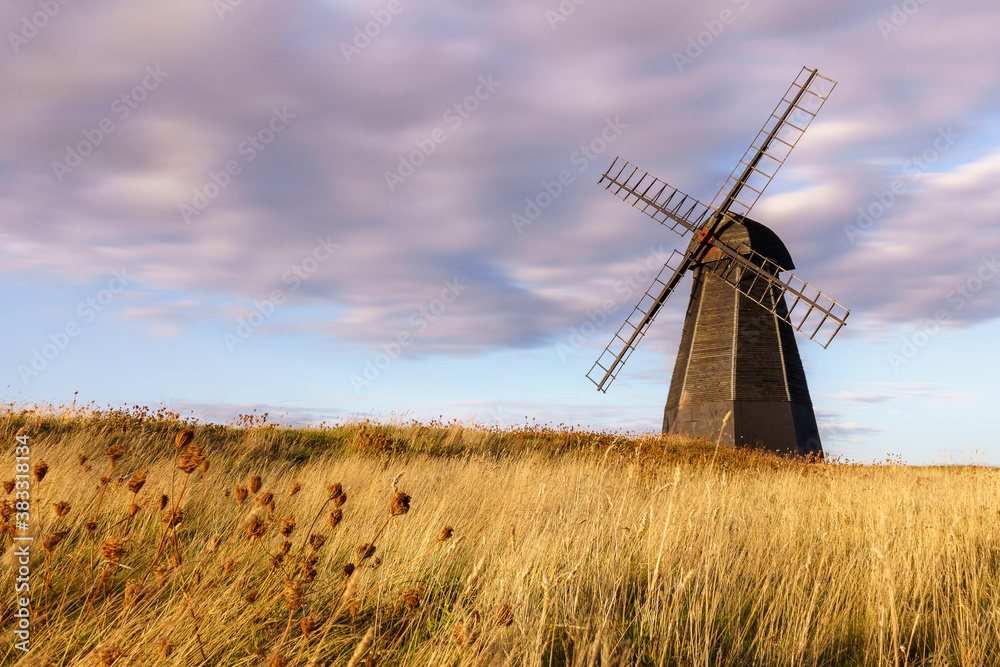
column 8, row 486
column 347, row 570
column 61, row 508
column 256, row 528
column 400, row 504
column 265, row 499
column 253, row 483
column 214, row 545
column 91, row 526
column 504, row 616
column 287, row 525
column 41, row 469
column 191, row 459
column 138, row 480
column 183, row 439
column 241, row 493
column 132, row 588
column 445, row 534
column 162, row 573
column 173, row 517
column 114, row 452
column 133, row 509
column 82, row 459
column 164, row 499
column 336, row 516
column 363, row 551
column 112, row 550
column 296, row 487
column 340, row 500
column 52, row 540
column 204, row 465
column 228, row 566
column 293, row 595
column 278, row 660
column 277, row 560
column 316, row 541
column 308, row 624
column 285, row 547
column 333, row 491
column 412, row 598
column 250, row 597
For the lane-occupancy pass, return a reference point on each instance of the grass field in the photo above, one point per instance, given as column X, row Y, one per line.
column 438, row 544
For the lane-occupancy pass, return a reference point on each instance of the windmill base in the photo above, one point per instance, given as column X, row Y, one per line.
column 781, row 427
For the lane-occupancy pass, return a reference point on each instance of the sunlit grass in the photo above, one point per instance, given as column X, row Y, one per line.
column 171, row 543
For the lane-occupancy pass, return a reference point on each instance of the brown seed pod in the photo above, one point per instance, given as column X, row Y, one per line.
column 253, row 483
column 41, row 469
column 285, row 547
column 8, row 486
column 82, row 459
column 138, row 480
column 112, row 550
column 114, row 452
column 296, row 487
column 241, row 494
column 52, row 540
column 287, row 525
column 164, row 499
column 400, row 504
column 412, row 598
column 91, row 526
column 61, row 508
column 308, row 624
column 504, row 616
column 173, row 517
column 363, row 551
column 293, row 595
column 347, row 570
column 334, row 490
column 336, row 516
column 265, row 499
column 256, row 528
column 316, row 541
column 183, row 439
column 278, row 660
column 204, row 465
column 446, row 533
column 191, row 459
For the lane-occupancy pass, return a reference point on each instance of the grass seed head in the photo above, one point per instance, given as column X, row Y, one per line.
column 308, row 624
column 174, row 517
column 412, row 598
column 164, row 499
column 228, row 566
column 138, row 480
column 165, row 647
column 255, row 527
column 112, row 550
column 347, row 570
column 293, row 595
column 133, row 509
column 52, row 540
column 265, row 499
column 253, row 483
column 91, row 526
column 278, row 660
column 296, row 487
column 364, row 551
column 8, row 486
column 191, row 459
column 183, row 439
column 82, row 460
column 336, row 516
column 241, row 493
column 114, row 452
column 109, row 655
column 334, row 490
column 41, row 469
column 287, row 525
column 446, row 533
column 504, row 616
column 400, row 504
column 61, row 508
column 285, row 547
column 316, row 541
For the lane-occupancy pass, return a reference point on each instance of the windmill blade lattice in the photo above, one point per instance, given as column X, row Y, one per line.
column 617, row 352
column 654, row 197
column 761, row 279
column 775, row 141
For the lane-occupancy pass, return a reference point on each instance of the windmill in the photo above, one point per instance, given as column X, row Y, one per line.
column 737, row 352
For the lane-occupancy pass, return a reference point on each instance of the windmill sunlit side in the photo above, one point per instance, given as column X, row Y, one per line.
column 737, row 352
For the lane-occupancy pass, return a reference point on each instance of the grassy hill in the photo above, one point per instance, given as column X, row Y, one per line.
column 162, row 542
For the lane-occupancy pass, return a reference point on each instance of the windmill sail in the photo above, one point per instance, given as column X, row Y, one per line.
column 668, row 206
column 606, row 368
column 808, row 310
column 775, row 141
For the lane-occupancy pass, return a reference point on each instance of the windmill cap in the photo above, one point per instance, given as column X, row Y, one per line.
column 744, row 231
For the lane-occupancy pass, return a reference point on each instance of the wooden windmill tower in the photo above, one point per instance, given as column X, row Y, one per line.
column 737, row 352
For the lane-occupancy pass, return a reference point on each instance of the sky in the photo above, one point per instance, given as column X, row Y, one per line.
column 327, row 210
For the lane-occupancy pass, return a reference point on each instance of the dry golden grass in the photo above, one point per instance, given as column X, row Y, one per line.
column 370, row 544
